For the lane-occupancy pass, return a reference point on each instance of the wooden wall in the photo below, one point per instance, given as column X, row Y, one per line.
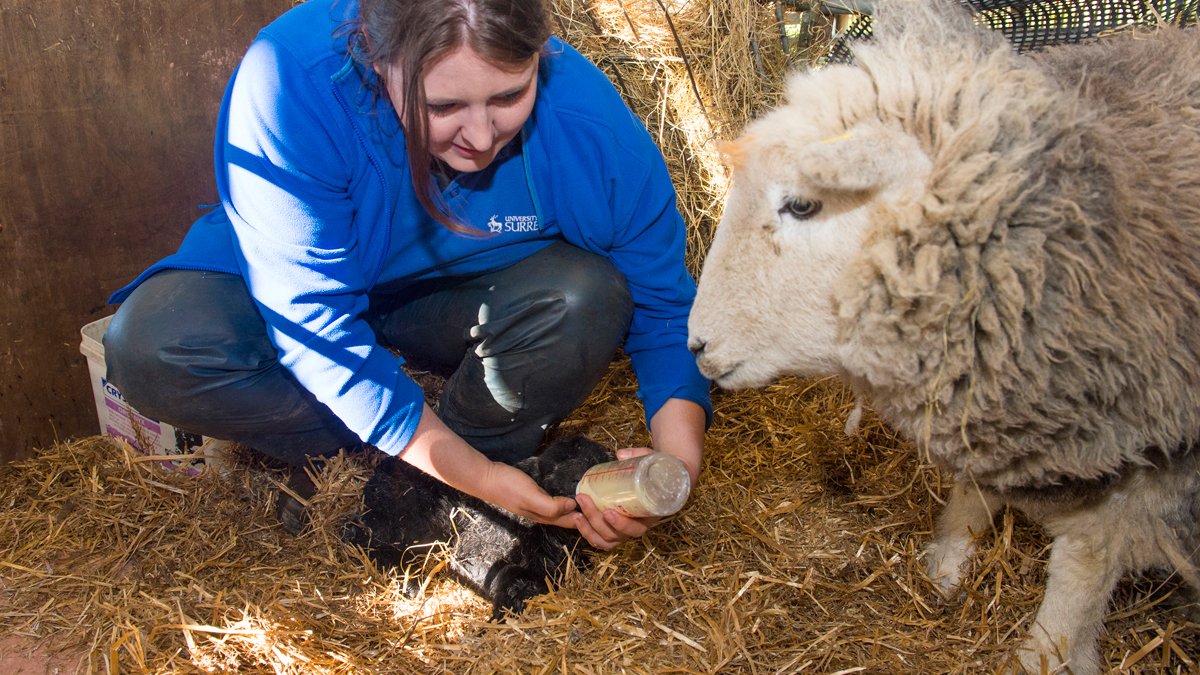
column 107, row 111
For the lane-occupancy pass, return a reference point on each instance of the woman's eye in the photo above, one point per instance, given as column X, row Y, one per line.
column 800, row 208
column 510, row 98
column 439, row 108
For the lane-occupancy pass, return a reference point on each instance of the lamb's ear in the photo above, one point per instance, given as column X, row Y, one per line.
column 867, row 157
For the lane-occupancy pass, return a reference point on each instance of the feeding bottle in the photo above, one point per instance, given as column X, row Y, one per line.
column 656, row 484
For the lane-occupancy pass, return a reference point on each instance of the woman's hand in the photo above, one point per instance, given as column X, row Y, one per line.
column 609, row 528
column 677, row 429
column 441, row 453
column 513, row 490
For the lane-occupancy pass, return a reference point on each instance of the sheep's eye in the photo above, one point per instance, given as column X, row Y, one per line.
column 800, row 209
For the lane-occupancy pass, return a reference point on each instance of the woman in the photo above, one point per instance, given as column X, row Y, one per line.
column 440, row 179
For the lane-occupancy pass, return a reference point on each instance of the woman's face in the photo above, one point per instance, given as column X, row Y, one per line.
column 475, row 107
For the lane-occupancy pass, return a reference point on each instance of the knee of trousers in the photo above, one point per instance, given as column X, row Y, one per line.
column 576, row 321
column 537, row 357
column 164, row 372
column 596, row 318
column 594, row 303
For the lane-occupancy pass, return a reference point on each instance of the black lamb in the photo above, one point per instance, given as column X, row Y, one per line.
column 503, row 558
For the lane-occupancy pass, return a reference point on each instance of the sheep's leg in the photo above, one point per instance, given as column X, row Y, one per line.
column 968, row 512
column 1083, row 572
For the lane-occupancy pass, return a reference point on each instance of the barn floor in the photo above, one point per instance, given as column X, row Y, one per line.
column 798, row 552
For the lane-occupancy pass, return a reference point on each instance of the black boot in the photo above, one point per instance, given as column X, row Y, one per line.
column 293, row 501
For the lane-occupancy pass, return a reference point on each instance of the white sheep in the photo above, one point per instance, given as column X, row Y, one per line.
column 1001, row 254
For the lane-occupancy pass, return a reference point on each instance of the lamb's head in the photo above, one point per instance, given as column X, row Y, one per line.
column 808, row 192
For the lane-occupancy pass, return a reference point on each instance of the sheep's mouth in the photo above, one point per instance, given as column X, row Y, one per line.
column 710, row 371
column 733, row 377
column 742, row 374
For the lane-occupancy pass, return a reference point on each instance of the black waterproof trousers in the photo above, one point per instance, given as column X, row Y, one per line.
column 520, row 348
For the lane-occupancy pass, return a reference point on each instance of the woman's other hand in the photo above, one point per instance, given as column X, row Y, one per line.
column 514, row 491
column 677, row 429
column 607, row 529
column 441, row 453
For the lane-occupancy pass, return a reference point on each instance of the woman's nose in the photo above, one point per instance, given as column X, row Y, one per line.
column 477, row 130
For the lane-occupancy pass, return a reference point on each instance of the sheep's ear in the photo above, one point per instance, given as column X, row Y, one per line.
column 798, row 85
column 928, row 20
column 733, row 153
column 864, row 158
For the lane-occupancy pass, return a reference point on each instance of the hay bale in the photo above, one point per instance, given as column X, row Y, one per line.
column 694, row 72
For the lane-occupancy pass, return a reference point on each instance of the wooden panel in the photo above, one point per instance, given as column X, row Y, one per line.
column 107, row 111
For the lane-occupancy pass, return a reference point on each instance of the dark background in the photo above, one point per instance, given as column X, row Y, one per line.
column 107, row 111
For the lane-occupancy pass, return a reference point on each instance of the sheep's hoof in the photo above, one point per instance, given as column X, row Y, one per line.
column 944, row 561
column 1187, row 610
column 1184, row 604
column 1041, row 655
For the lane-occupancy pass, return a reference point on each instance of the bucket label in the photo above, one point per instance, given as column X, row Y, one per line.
column 125, row 422
column 148, row 434
column 119, row 419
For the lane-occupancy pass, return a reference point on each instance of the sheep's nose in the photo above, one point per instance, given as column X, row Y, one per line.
column 696, row 345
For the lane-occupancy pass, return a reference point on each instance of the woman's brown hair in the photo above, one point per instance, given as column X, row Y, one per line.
column 408, row 35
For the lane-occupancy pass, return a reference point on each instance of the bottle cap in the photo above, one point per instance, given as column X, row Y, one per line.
column 656, row 484
column 665, row 483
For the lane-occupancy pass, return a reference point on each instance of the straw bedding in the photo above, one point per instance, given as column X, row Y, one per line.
column 798, row 551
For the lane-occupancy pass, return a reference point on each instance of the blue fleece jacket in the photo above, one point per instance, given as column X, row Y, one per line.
column 318, row 208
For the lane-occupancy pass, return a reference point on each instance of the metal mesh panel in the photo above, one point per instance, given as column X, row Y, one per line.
column 839, row 49
column 1032, row 24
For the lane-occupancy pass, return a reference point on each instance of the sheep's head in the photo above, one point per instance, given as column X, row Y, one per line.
column 869, row 210
column 808, row 194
